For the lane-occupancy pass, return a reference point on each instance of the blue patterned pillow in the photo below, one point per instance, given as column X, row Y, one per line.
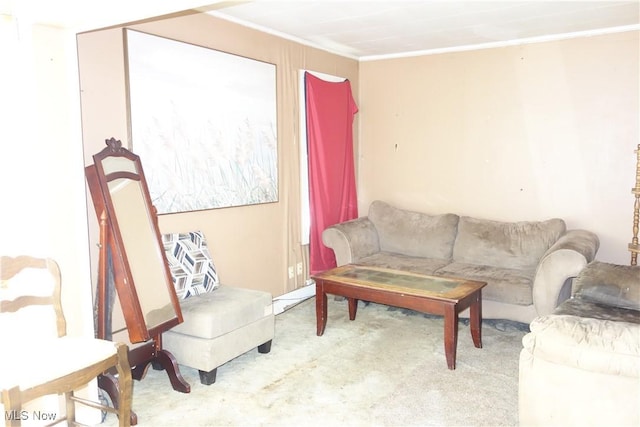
column 191, row 266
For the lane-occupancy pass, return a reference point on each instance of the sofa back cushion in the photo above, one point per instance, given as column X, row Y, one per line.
column 517, row 245
column 609, row 284
column 413, row 233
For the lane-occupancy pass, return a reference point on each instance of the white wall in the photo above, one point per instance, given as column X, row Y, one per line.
column 41, row 165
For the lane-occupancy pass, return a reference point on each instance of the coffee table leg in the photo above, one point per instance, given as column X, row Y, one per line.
column 353, row 308
column 450, row 335
column 475, row 320
column 321, row 307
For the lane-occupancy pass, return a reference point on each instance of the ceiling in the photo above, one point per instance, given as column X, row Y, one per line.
column 362, row 29
column 85, row 15
column 374, row 29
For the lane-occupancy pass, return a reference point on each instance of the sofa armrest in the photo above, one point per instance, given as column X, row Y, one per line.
column 351, row 240
column 562, row 261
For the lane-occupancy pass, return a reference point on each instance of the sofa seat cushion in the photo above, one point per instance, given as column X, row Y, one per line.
column 404, row 262
column 413, row 233
column 603, row 346
column 516, row 245
column 512, row 286
column 228, row 308
column 584, row 308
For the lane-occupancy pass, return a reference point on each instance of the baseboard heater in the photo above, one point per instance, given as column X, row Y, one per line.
column 288, row 300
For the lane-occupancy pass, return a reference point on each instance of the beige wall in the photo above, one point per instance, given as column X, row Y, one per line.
column 252, row 246
column 515, row 133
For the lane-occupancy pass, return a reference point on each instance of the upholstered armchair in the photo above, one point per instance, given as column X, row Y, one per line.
column 580, row 366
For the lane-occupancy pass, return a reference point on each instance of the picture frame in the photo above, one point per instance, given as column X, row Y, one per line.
column 205, row 123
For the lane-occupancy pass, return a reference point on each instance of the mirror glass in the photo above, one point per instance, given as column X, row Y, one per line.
column 141, row 245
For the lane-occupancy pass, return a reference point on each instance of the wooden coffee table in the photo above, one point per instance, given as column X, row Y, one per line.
column 444, row 296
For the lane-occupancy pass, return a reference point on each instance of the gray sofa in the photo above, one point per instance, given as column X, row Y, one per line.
column 528, row 266
column 580, row 366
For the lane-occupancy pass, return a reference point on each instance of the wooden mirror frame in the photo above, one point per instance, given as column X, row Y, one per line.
column 115, row 273
column 125, row 283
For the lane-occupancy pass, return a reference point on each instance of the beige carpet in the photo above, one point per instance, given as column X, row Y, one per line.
column 386, row 368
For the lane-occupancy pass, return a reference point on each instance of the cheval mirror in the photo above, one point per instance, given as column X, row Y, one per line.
column 133, row 262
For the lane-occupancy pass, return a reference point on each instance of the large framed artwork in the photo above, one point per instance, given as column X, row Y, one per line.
column 203, row 123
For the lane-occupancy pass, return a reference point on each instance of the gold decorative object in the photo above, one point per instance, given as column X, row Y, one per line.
column 634, row 247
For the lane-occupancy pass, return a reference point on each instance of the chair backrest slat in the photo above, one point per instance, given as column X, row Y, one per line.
column 17, row 296
column 11, row 306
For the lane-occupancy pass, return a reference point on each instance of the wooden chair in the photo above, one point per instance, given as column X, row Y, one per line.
column 38, row 358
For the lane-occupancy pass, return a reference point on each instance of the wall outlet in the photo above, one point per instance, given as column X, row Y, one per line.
column 291, row 273
column 299, row 268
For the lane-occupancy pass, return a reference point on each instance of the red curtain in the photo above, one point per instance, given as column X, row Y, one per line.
column 332, row 182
